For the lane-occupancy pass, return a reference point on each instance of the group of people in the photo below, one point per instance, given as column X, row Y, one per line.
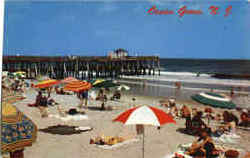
column 15, row 84
column 42, row 100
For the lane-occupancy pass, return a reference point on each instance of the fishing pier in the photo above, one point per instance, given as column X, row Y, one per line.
column 82, row 67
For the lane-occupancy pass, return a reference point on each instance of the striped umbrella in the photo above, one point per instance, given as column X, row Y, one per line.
column 214, row 99
column 18, row 131
column 144, row 115
column 47, row 83
column 69, row 79
column 77, row 86
column 106, row 84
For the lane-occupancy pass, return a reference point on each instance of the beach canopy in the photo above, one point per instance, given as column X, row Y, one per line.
column 96, row 81
column 214, row 99
column 69, row 79
column 78, row 86
column 106, row 84
column 47, row 83
column 144, row 115
column 18, row 131
column 123, row 87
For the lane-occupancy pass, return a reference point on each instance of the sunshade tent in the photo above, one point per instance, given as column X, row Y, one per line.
column 214, row 99
column 68, row 80
column 18, row 131
column 78, row 86
column 47, row 83
column 144, row 115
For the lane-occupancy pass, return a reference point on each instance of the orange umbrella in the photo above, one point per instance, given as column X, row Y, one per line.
column 47, row 83
column 69, row 79
column 77, row 86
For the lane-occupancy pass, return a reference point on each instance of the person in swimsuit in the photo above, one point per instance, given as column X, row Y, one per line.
column 205, row 149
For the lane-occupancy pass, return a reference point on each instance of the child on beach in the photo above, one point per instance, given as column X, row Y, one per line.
column 245, row 118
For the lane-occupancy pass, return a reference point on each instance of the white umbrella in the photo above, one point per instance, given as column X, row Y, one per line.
column 123, row 87
column 144, row 115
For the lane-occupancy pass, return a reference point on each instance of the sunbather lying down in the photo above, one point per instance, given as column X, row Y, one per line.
column 110, row 140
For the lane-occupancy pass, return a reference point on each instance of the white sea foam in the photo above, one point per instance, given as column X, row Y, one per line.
column 188, row 77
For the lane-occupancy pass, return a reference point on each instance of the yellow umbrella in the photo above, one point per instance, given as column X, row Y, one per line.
column 18, row 131
column 47, row 83
column 20, row 72
column 98, row 81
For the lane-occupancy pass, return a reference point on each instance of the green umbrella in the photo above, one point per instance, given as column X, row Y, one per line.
column 214, row 99
column 106, row 84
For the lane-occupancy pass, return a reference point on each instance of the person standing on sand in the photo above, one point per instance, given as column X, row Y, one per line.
column 83, row 96
column 186, row 113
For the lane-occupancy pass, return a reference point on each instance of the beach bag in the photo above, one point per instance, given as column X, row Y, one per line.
column 231, row 154
column 72, row 111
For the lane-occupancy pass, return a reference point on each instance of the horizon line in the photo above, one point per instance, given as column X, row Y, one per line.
column 174, row 58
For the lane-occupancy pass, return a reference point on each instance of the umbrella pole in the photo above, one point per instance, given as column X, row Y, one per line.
column 143, row 144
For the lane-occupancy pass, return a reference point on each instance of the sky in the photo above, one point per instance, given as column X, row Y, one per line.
column 93, row 28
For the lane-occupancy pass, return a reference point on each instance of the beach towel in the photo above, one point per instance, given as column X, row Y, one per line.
column 227, row 138
column 115, row 146
column 181, row 149
column 243, row 128
column 85, row 128
column 179, row 153
column 76, row 117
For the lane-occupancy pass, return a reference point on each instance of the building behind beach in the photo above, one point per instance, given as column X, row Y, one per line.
column 118, row 53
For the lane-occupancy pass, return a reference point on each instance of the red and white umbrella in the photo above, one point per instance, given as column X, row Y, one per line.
column 144, row 115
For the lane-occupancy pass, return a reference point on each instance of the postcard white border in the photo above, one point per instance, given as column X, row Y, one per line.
column 1, row 53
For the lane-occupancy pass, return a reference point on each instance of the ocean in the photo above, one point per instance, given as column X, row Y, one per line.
column 185, row 71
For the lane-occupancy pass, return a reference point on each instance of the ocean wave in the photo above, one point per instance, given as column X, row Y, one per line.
column 192, row 79
column 183, row 73
column 183, row 87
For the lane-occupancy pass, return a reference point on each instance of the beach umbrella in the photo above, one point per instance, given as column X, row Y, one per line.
column 214, row 99
column 47, row 83
column 78, row 86
column 144, row 115
column 106, row 84
column 20, row 72
column 123, row 87
column 18, row 131
column 97, row 81
column 69, row 79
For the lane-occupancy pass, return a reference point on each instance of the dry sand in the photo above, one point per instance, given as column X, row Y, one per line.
column 158, row 143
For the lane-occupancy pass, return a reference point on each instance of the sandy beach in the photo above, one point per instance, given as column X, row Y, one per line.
column 158, row 143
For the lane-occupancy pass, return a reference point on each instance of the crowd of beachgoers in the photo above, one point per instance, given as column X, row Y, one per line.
column 201, row 131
